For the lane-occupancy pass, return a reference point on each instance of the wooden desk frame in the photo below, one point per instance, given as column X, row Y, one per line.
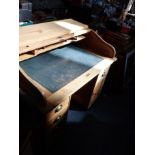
column 48, row 101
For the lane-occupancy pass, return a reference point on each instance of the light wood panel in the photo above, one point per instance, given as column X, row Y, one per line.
column 39, row 35
column 100, row 80
column 36, row 52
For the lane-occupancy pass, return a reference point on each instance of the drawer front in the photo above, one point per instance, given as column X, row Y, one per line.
column 55, row 116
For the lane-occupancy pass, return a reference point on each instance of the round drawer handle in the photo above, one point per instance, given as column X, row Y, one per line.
column 58, row 108
column 58, row 119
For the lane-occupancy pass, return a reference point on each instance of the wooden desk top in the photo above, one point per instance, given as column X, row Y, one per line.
column 56, row 68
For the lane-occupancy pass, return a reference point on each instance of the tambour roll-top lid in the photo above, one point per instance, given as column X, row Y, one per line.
column 40, row 35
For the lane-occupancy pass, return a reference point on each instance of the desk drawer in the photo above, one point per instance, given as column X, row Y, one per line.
column 55, row 116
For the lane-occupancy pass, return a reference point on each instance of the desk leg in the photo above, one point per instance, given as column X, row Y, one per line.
column 98, row 86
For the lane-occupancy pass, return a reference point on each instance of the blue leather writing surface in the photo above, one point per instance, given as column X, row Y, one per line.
column 58, row 67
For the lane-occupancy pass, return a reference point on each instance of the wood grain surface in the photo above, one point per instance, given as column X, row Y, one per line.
column 38, row 35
